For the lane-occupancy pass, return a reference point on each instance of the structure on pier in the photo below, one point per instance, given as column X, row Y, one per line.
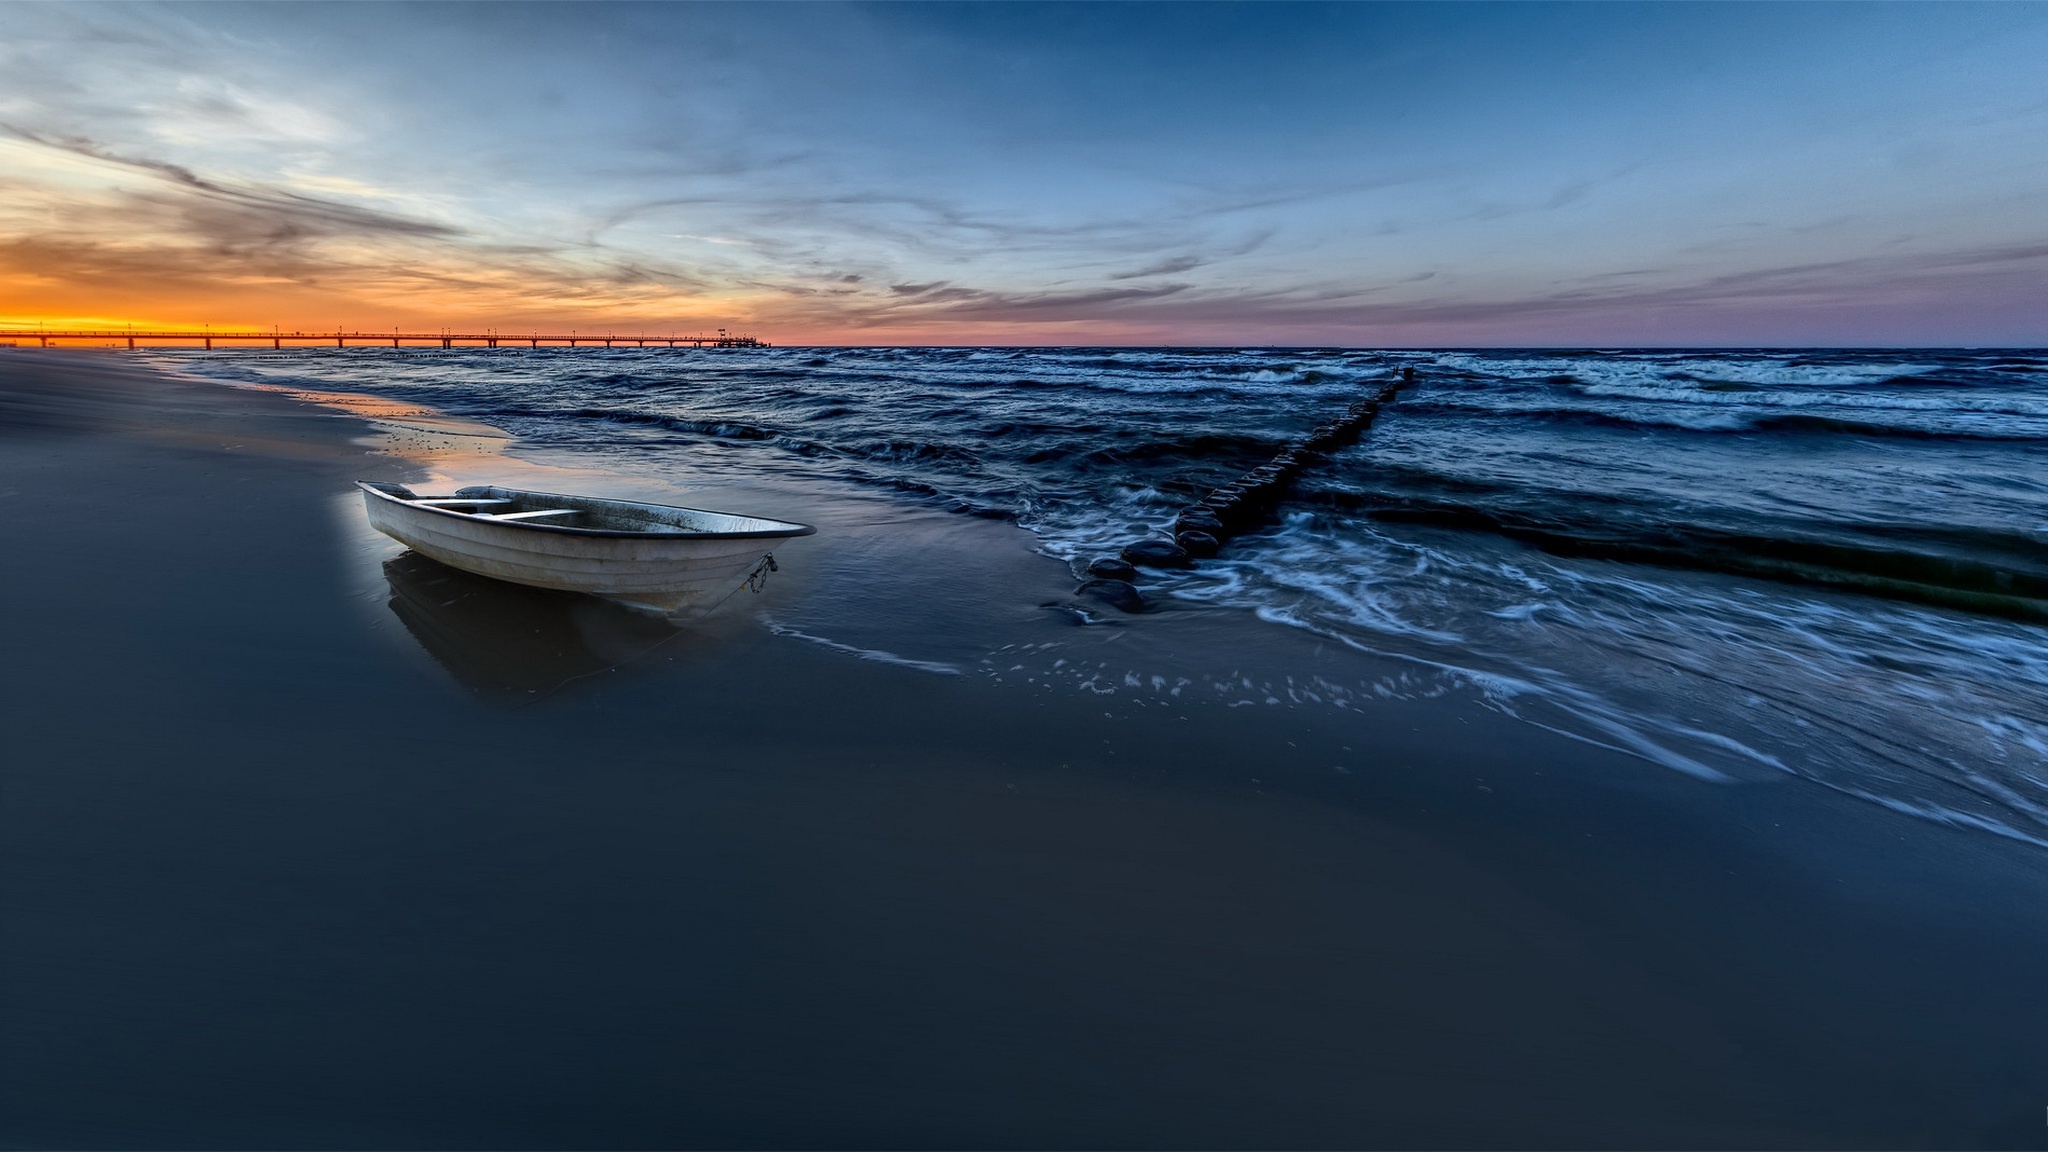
column 446, row 339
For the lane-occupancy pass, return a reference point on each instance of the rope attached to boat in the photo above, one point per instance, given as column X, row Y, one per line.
column 759, row 576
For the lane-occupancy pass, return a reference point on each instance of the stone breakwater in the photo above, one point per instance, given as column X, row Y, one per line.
column 1205, row 527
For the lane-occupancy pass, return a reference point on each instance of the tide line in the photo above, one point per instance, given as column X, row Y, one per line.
column 865, row 653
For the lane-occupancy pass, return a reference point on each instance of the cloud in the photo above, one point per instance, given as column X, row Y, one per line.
column 1843, row 299
column 1933, row 284
column 1165, row 267
column 793, row 224
column 941, row 305
column 247, row 215
column 175, row 235
column 1073, row 304
column 207, row 109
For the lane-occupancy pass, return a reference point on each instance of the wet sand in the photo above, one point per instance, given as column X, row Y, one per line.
column 309, row 844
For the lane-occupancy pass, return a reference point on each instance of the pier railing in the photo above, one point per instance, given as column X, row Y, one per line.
column 276, row 338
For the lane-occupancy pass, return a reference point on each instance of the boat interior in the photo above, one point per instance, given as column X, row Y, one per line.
column 519, row 506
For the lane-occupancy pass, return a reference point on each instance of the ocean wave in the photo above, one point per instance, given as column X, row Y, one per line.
column 1985, row 405
column 1782, row 374
column 726, row 429
column 1929, row 423
column 1190, row 447
column 2003, row 574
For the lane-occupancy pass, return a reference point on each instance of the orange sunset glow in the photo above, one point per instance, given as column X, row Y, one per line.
column 95, row 238
column 92, row 239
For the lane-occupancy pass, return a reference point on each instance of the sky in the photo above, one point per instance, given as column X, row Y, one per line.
column 1384, row 175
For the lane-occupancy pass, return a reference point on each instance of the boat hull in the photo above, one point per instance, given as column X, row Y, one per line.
column 675, row 574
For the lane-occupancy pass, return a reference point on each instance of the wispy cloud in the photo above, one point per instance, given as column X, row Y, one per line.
column 1166, row 267
column 247, row 214
column 155, row 227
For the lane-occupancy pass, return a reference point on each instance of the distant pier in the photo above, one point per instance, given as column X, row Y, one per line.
column 490, row 338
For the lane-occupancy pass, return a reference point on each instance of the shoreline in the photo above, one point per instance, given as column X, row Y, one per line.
column 745, row 889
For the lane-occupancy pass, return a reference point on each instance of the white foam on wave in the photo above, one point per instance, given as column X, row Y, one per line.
column 1686, row 392
column 1667, row 369
column 1504, row 692
column 1677, row 392
column 1716, row 677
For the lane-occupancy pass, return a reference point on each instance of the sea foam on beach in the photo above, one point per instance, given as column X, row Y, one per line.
column 1733, row 564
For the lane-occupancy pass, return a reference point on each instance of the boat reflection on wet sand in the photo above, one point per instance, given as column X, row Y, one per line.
column 509, row 641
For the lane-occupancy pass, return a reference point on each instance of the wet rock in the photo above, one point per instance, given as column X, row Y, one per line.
column 1200, row 545
column 1237, row 514
column 1108, row 569
column 1117, row 594
column 1199, row 520
column 1156, row 554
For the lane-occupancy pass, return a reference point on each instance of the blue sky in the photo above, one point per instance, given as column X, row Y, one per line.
column 1467, row 174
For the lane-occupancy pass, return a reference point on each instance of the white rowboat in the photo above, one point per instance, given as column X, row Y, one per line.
column 655, row 557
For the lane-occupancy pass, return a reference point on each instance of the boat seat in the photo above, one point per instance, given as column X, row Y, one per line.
column 440, row 501
column 534, row 515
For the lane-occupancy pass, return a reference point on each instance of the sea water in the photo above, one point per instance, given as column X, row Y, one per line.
column 1734, row 564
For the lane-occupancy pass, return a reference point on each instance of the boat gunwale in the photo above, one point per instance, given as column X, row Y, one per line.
column 794, row 529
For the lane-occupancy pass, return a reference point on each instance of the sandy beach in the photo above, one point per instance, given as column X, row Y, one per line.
column 312, row 844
